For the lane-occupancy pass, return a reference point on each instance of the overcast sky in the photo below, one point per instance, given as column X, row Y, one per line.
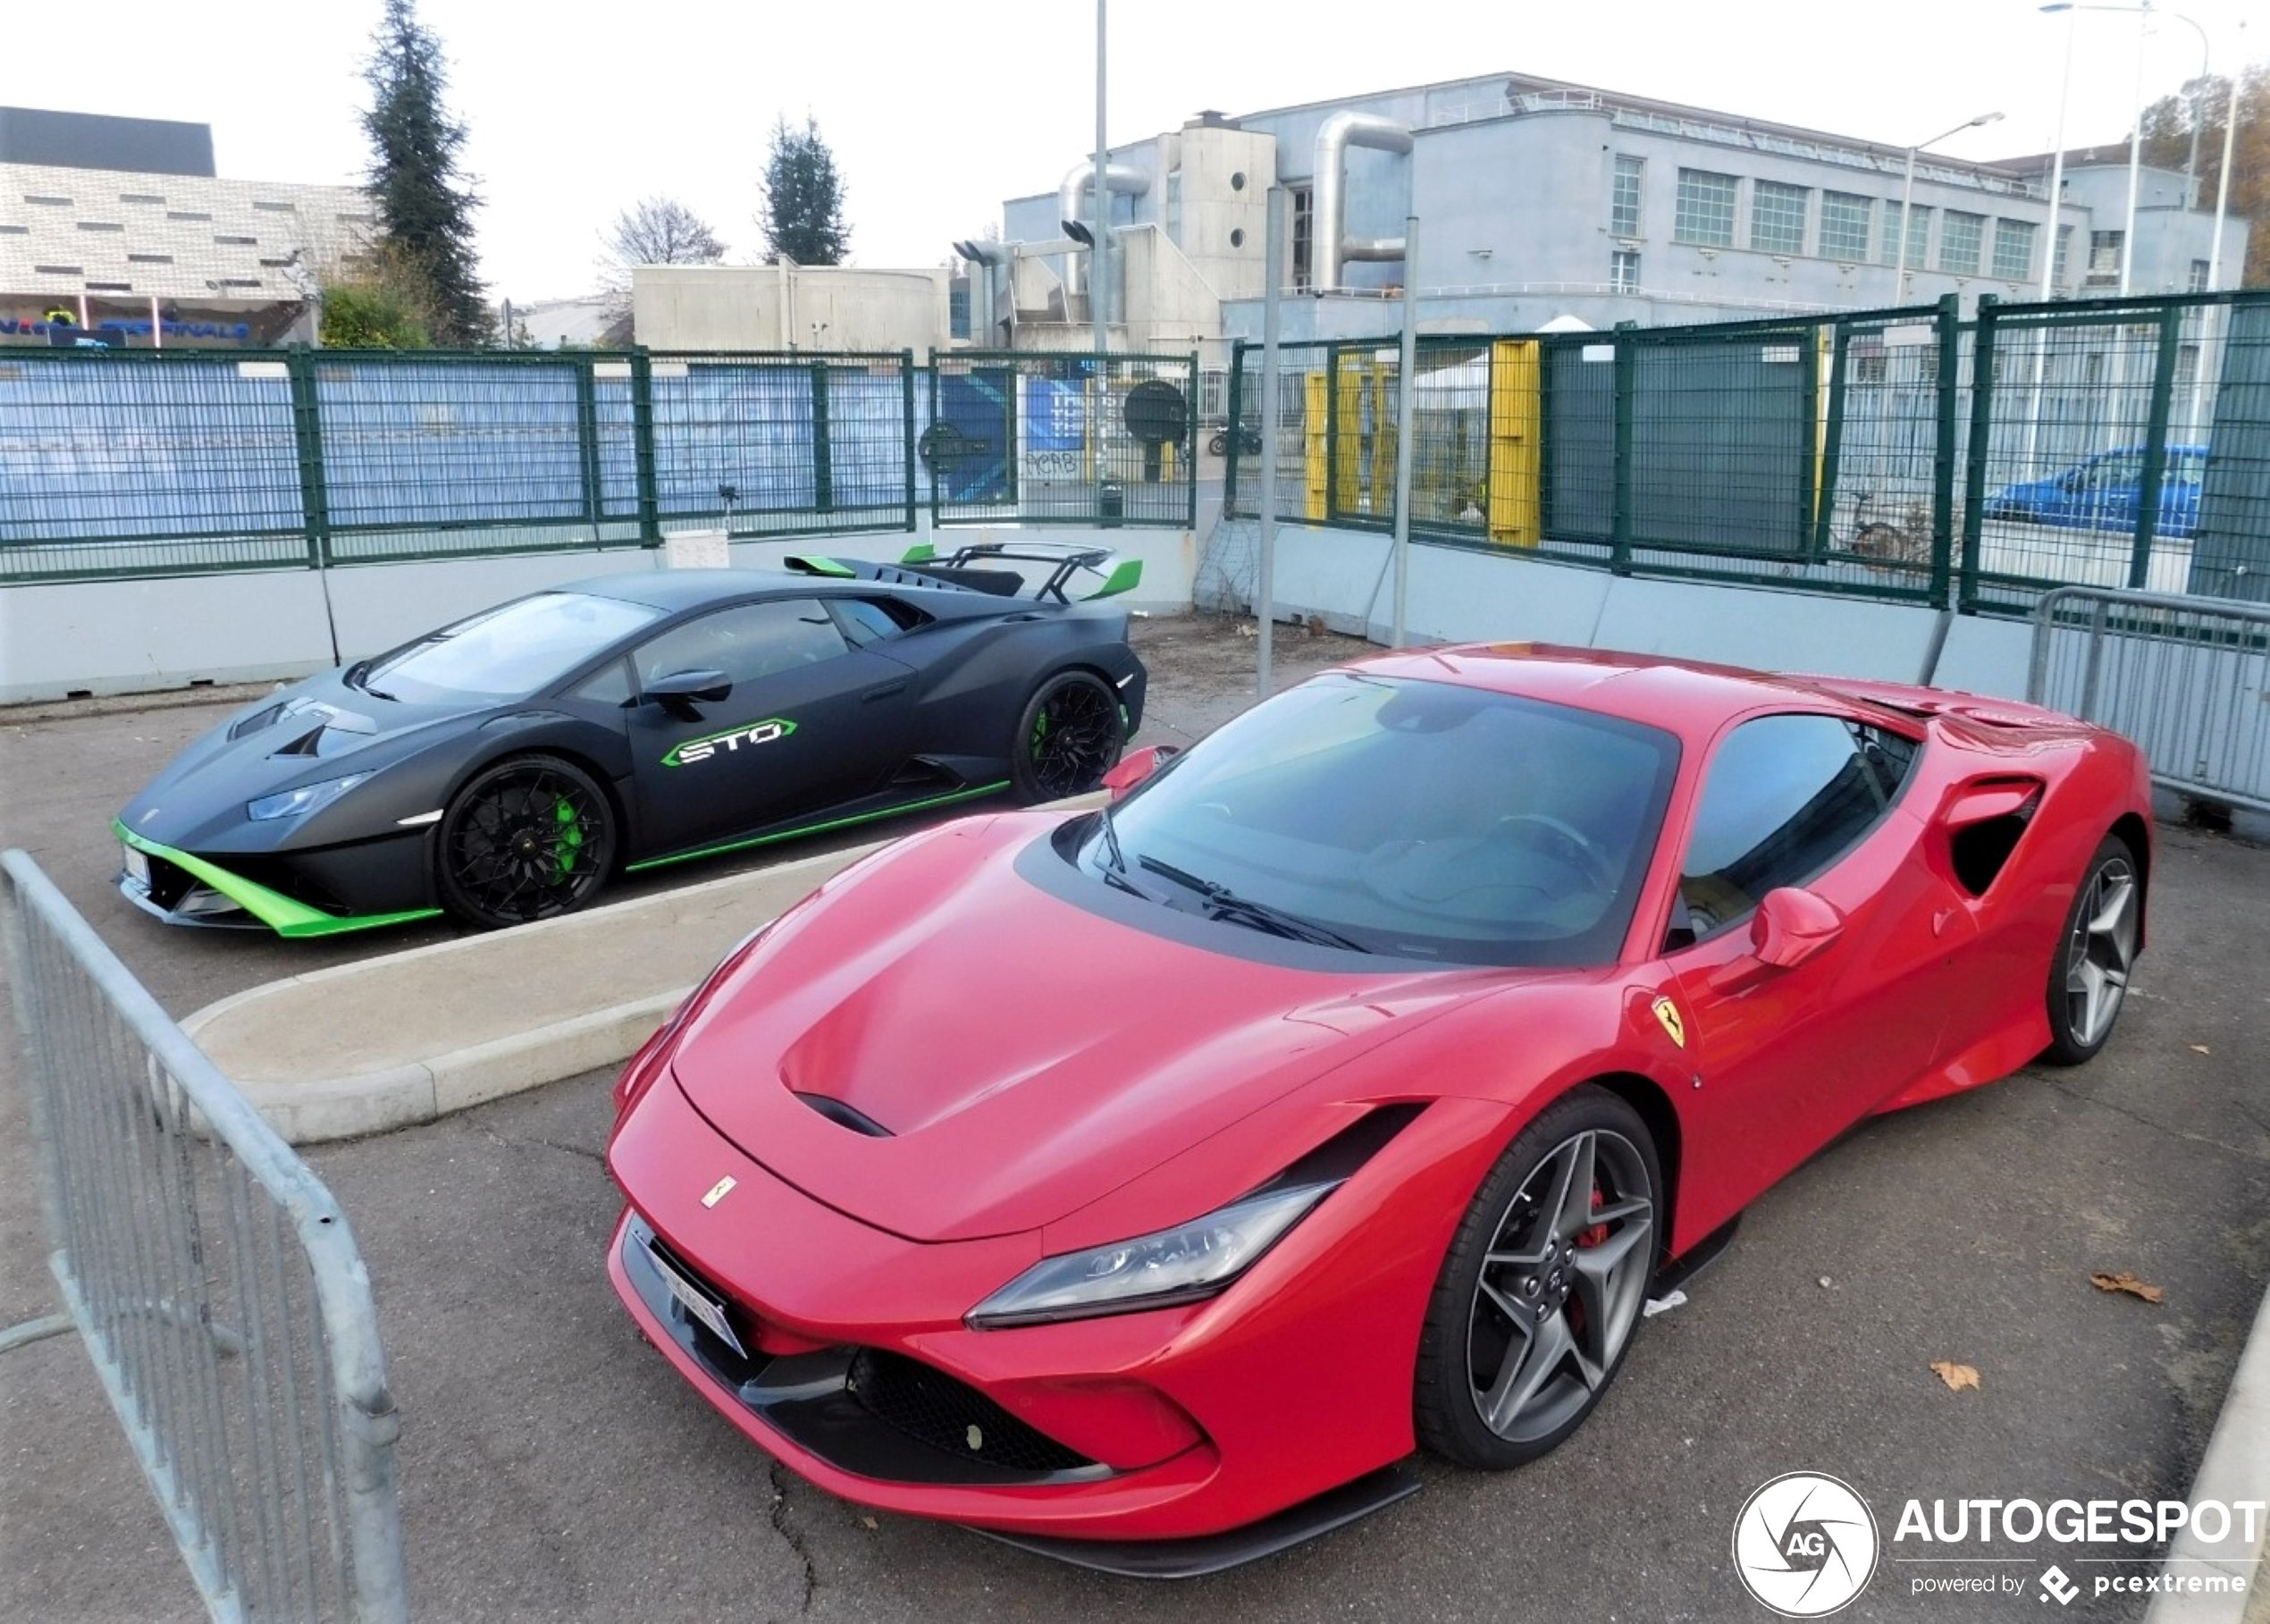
column 936, row 110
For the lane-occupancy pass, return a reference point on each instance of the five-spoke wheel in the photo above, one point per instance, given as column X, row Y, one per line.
column 528, row 837
column 1069, row 736
column 2088, row 977
column 1543, row 1285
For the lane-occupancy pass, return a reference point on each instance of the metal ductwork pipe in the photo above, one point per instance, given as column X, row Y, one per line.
column 1072, row 209
column 1334, row 248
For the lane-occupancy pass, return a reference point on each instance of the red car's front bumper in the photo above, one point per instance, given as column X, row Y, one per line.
column 856, row 1370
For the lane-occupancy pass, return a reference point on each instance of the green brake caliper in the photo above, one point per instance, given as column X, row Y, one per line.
column 571, row 836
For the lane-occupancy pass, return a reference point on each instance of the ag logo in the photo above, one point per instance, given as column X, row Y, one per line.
column 732, row 739
column 1804, row 1545
column 1667, row 1013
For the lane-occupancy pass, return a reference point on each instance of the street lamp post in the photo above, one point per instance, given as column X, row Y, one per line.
column 1907, row 198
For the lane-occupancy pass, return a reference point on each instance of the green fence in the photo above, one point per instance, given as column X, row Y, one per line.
column 1902, row 455
column 167, row 462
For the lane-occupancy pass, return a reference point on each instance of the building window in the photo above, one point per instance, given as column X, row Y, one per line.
column 2065, row 255
column 1174, row 206
column 1918, row 235
column 2199, row 276
column 149, row 259
column 1960, row 235
column 2014, row 249
column 1844, row 225
column 1705, row 211
column 1304, row 235
column 1623, row 271
column 228, row 242
column 187, row 213
column 1777, row 217
column 2103, row 254
column 1623, row 209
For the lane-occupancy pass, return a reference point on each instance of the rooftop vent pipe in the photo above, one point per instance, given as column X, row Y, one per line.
column 1073, row 209
column 1334, row 248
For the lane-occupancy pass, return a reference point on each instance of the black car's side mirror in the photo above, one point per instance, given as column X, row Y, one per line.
column 705, row 685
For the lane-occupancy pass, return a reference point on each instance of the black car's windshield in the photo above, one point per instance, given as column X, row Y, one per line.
column 503, row 653
column 1421, row 819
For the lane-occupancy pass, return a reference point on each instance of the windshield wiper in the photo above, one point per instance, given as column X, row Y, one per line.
column 1222, row 903
column 1114, row 861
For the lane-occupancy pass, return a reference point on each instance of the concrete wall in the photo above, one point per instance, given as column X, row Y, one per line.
column 1460, row 595
column 777, row 307
column 98, row 638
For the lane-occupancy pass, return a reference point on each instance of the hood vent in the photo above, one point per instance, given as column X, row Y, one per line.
column 844, row 1116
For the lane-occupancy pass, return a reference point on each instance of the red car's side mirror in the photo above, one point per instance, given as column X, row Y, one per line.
column 1792, row 926
column 1137, row 766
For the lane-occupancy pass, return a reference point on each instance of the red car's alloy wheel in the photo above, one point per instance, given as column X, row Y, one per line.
column 1543, row 1285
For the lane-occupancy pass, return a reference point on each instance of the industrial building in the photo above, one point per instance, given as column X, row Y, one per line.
column 123, row 226
column 1541, row 201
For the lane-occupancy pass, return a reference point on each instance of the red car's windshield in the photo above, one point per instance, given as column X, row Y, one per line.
column 1421, row 819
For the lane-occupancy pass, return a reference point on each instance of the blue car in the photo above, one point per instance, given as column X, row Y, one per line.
column 2102, row 492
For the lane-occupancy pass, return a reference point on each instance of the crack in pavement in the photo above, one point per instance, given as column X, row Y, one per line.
column 794, row 1540
column 2138, row 1117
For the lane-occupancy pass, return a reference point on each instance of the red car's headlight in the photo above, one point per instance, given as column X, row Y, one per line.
column 1184, row 1264
column 644, row 1066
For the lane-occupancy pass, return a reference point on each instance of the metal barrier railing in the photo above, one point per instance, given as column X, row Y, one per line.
column 2187, row 679
column 215, row 1285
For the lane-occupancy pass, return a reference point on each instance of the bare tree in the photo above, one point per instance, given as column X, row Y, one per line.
column 653, row 231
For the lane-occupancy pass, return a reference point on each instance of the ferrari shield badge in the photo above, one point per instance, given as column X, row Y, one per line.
column 718, row 1190
column 1674, row 1027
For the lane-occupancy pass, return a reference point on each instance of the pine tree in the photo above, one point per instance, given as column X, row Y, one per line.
column 424, row 208
column 804, row 196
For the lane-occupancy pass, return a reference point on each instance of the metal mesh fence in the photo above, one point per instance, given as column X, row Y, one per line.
column 215, row 1286
column 145, row 460
column 1014, row 435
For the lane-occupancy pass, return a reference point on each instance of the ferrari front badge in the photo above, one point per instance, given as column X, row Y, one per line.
column 1667, row 1013
column 718, row 1190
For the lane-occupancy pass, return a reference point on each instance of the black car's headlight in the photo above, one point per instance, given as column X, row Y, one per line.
column 306, row 798
column 1184, row 1264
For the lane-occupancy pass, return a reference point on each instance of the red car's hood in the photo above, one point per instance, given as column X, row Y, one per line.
column 1024, row 1055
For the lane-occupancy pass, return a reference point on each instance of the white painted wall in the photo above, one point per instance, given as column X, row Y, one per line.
column 100, row 638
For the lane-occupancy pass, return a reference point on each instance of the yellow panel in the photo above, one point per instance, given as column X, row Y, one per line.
column 1517, row 444
column 1318, row 394
column 1386, row 431
column 1825, row 341
column 1347, row 473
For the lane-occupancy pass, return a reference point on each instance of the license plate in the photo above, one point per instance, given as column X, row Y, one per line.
column 702, row 1305
column 138, row 867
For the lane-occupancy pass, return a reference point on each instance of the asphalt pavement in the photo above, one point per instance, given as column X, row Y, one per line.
column 555, row 1469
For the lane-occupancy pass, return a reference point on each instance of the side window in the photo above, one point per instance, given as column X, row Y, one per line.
column 1784, row 798
column 864, row 620
column 747, row 642
column 611, row 684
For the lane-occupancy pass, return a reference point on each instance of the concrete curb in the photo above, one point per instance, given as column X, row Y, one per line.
column 2236, row 1466
column 407, row 1037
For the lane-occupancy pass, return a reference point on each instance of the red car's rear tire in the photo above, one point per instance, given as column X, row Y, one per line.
column 1543, row 1286
column 2088, row 972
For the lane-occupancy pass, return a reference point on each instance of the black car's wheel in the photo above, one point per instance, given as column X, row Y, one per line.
column 1068, row 739
column 529, row 837
column 2089, row 974
column 1543, row 1287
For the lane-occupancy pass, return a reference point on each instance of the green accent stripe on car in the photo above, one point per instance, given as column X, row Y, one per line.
column 809, row 564
column 921, row 553
column 818, row 828
column 285, row 916
column 1125, row 576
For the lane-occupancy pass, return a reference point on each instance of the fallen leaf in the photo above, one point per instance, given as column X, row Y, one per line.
column 2126, row 1282
column 1956, row 1376
column 869, row 1522
column 2201, row 1048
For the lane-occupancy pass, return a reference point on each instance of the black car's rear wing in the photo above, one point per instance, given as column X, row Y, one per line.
column 971, row 568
